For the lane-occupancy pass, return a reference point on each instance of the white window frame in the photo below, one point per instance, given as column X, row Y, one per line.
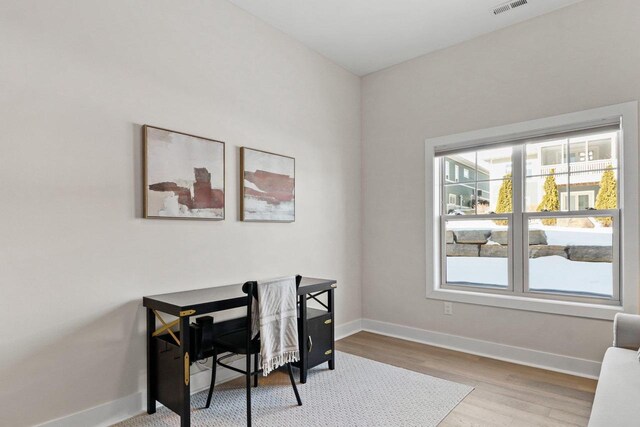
column 628, row 240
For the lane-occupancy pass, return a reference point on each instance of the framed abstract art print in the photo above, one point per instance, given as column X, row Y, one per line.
column 183, row 175
column 267, row 183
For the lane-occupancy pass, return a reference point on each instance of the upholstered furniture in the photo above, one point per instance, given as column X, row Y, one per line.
column 617, row 400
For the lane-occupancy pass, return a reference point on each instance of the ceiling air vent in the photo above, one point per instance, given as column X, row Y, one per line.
column 506, row 7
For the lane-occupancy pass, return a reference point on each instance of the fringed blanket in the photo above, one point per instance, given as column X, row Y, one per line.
column 276, row 317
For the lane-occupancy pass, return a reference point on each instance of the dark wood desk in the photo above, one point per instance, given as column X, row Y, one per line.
column 186, row 304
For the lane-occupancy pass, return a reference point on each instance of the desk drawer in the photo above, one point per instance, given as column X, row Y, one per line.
column 319, row 342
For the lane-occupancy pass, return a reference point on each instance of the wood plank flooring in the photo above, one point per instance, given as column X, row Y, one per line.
column 505, row 394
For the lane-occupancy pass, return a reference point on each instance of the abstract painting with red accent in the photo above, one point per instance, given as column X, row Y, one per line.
column 184, row 175
column 268, row 186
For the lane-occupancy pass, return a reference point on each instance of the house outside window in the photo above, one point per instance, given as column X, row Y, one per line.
column 588, row 155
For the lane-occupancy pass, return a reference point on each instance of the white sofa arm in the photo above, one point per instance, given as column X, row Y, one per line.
column 626, row 331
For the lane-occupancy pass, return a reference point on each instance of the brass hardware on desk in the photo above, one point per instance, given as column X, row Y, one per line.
column 334, row 285
column 327, row 322
column 328, row 352
column 187, row 313
column 186, row 369
column 167, row 326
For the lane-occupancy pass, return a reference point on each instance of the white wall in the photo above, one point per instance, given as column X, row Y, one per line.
column 580, row 57
column 77, row 80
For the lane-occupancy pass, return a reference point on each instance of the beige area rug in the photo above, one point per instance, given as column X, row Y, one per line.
column 359, row 392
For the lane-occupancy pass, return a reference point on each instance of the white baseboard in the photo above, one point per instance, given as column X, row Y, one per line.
column 102, row 415
column 349, row 328
column 129, row 406
column 126, row 407
column 523, row 356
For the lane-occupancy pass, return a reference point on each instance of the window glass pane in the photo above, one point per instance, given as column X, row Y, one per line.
column 600, row 149
column 495, row 196
column 596, row 152
column 545, row 193
column 571, row 255
column 543, row 157
column 477, row 253
column 462, row 167
column 494, row 163
column 473, row 182
column 551, row 155
column 577, row 151
column 593, row 190
column 460, row 199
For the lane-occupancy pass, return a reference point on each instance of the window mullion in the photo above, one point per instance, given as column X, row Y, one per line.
column 517, row 227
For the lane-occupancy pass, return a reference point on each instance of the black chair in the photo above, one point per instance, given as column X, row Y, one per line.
column 240, row 342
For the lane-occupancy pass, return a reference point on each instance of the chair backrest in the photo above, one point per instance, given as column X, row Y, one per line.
column 251, row 288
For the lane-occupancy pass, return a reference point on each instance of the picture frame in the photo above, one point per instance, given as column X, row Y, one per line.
column 184, row 175
column 267, row 186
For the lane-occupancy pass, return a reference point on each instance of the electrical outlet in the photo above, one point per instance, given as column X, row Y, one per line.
column 448, row 308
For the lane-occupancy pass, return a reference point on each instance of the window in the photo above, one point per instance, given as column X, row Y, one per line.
column 552, row 155
column 539, row 219
column 569, row 253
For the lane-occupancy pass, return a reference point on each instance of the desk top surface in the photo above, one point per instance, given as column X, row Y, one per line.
column 185, row 300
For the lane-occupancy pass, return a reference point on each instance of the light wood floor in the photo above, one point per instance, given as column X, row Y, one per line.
column 505, row 394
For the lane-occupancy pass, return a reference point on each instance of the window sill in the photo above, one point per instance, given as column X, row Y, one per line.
column 564, row 308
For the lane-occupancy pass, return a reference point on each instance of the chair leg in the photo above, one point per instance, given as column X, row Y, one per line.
column 248, row 384
column 293, row 383
column 255, row 367
column 213, row 378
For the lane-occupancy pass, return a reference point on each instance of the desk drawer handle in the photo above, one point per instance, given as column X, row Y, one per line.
column 328, row 352
column 327, row 322
column 309, row 344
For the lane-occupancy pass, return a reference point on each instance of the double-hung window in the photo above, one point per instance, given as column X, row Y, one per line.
column 539, row 215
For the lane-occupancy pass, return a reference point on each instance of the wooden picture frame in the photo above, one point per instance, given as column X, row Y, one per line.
column 184, row 175
column 267, row 186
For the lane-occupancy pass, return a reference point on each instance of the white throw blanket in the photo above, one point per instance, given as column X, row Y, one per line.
column 276, row 317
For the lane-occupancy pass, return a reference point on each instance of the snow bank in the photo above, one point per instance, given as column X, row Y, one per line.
column 546, row 273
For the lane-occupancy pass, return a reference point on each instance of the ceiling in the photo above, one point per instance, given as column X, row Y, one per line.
column 368, row 35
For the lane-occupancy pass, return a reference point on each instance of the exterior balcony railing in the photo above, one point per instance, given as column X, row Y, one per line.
column 578, row 167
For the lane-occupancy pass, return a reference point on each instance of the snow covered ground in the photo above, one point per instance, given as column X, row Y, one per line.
column 546, row 273
column 578, row 236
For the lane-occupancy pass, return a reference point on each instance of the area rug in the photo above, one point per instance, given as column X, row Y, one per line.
column 359, row 392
